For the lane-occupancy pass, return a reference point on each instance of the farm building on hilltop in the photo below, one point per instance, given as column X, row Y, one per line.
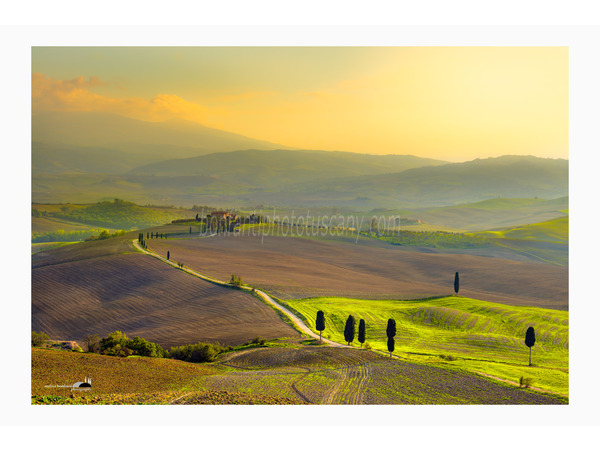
column 222, row 215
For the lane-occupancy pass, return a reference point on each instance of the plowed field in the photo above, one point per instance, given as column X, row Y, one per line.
column 322, row 375
column 304, row 374
column 298, row 268
column 141, row 296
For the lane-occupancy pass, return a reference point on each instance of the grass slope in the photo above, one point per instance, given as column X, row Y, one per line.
column 554, row 230
column 481, row 336
column 493, row 213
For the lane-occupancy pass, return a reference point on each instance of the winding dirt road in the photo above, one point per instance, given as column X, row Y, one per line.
column 263, row 295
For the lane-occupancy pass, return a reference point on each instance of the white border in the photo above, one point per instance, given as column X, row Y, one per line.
column 584, row 97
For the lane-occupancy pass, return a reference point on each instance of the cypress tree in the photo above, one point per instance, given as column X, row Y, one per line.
column 361, row 332
column 530, row 340
column 320, row 323
column 168, row 255
column 390, row 331
column 456, row 283
column 349, row 330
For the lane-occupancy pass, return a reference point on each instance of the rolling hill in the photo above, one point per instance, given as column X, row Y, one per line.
column 279, row 168
column 102, row 286
column 494, row 213
column 554, row 230
column 449, row 184
column 294, row 267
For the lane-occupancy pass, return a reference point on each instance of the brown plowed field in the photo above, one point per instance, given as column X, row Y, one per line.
column 141, row 296
column 323, row 375
column 84, row 250
column 297, row 267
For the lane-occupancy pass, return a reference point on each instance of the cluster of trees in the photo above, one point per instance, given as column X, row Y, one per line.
column 118, row 344
column 235, row 280
column 200, row 352
column 149, row 235
column 157, row 235
column 38, row 339
column 105, row 234
column 142, row 241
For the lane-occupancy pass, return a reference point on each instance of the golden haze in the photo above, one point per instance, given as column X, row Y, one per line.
column 452, row 103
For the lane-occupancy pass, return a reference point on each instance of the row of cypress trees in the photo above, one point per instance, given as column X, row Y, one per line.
column 390, row 331
column 349, row 330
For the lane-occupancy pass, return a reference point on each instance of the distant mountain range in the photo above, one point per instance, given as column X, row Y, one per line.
column 162, row 140
column 449, row 184
column 280, row 168
column 87, row 157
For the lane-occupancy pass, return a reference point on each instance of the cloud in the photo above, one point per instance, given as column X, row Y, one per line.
column 48, row 94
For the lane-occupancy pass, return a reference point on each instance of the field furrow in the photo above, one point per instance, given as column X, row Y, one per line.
column 140, row 296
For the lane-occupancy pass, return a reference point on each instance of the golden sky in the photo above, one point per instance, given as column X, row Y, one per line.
column 451, row 103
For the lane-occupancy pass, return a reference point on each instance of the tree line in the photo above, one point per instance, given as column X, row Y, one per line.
column 390, row 331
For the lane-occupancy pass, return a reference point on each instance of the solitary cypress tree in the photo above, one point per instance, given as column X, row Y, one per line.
column 320, row 324
column 456, row 283
column 361, row 332
column 390, row 331
column 530, row 340
column 168, row 255
column 349, row 330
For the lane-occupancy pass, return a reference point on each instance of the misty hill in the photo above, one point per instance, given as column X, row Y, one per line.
column 450, row 184
column 494, row 213
column 279, row 168
column 63, row 159
column 172, row 138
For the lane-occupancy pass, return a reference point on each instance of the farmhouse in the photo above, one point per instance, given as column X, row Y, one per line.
column 222, row 215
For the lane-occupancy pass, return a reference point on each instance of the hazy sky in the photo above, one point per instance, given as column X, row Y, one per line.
column 452, row 103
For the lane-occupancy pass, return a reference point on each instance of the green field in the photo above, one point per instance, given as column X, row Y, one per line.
column 555, row 230
column 458, row 332
column 436, row 239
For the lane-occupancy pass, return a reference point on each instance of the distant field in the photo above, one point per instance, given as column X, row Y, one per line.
column 424, row 227
column 555, row 230
column 494, row 213
column 433, row 239
column 290, row 375
column 482, row 336
column 114, row 214
column 49, row 224
column 35, row 248
column 98, row 287
column 299, row 268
